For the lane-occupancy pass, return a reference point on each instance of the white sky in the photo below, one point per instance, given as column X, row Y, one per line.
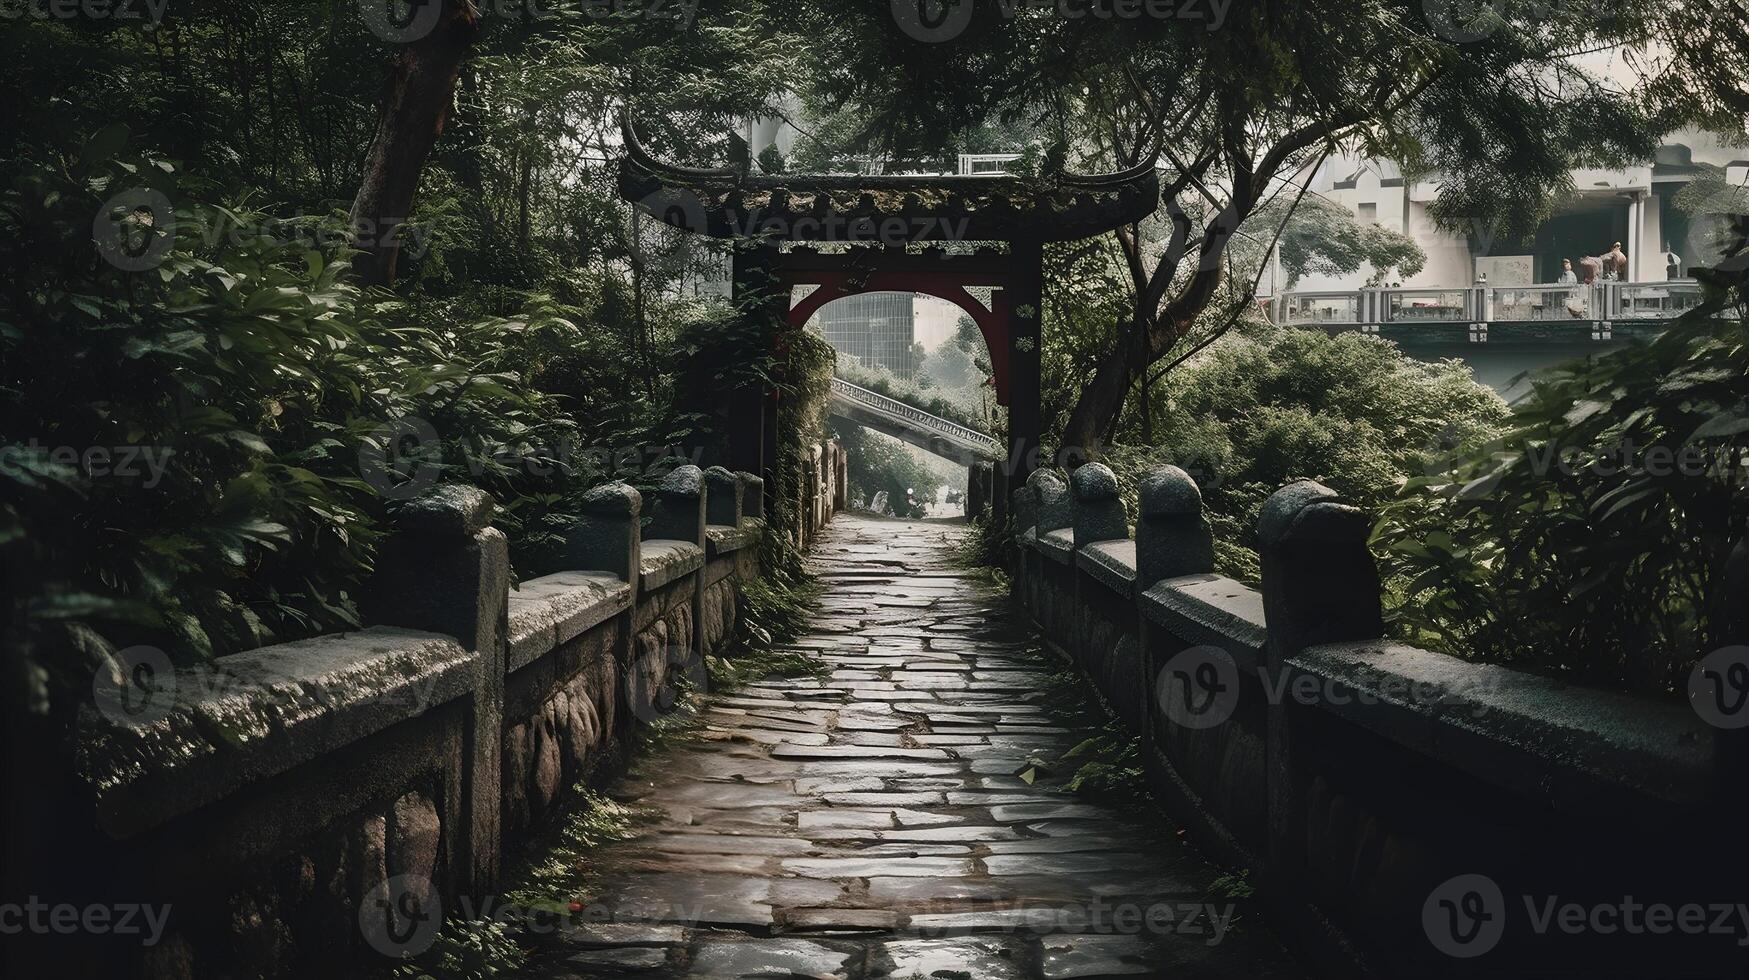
column 935, row 320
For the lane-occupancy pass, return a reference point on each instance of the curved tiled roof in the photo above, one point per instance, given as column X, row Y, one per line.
column 886, row 209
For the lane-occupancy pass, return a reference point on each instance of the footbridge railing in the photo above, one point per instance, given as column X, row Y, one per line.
column 902, row 415
column 1545, row 311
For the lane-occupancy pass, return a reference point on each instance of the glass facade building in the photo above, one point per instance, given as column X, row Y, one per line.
column 876, row 328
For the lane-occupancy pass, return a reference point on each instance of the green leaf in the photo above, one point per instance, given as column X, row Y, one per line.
column 1722, row 425
column 103, row 146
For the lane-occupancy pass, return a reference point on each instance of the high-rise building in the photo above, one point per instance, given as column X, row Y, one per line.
column 876, row 328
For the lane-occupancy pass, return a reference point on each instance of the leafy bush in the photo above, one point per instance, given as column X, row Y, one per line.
column 1268, row 406
column 188, row 440
column 1589, row 540
column 987, row 544
column 467, row 950
column 877, row 463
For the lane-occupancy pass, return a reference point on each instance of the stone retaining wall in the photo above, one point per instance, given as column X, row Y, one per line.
column 1375, row 792
column 284, row 807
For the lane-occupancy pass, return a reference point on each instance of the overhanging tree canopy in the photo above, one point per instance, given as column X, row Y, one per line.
column 1242, row 111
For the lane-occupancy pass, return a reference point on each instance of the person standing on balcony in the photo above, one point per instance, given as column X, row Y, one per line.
column 1672, row 263
column 1615, row 264
column 1590, row 269
column 1570, row 298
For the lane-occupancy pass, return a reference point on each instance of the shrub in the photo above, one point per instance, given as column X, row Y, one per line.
column 1269, row 406
column 877, row 462
column 1589, row 540
column 183, row 461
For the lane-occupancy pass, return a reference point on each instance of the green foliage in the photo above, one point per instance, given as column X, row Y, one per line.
column 773, row 610
column 1233, row 886
column 238, row 368
column 531, row 334
column 1108, row 765
column 755, row 663
column 987, row 544
column 877, row 462
column 564, row 869
column 1104, row 765
column 1324, row 238
column 1269, row 406
column 467, row 950
column 189, row 441
column 243, row 376
column 1589, row 540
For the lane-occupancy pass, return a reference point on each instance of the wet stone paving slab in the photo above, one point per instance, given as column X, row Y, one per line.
column 871, row 822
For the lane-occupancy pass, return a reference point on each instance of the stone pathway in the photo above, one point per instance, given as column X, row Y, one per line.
column 870, row 824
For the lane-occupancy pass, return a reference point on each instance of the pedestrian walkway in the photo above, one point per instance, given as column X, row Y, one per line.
column 876, row 823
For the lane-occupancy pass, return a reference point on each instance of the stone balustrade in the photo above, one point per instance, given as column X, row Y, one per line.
column 270, row 797
column 1353, row 776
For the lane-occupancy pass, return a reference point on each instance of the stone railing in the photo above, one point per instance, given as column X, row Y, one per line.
column 277, row 803
column 1379, row 794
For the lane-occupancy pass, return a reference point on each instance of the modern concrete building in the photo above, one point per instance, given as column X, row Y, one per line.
column 1635, row 206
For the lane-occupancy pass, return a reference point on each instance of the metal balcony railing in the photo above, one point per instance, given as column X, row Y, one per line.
column 1599, row 302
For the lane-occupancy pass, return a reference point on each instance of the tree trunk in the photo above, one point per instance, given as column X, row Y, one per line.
column 1094, row 410
column 416, row 104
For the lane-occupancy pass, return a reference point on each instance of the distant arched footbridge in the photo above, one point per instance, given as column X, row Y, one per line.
column 932, row 433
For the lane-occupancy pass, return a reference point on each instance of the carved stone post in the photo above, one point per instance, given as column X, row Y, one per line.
column 724, row 496
column 678, row 512
column 1053, row 588
column 445, row 569
column 1172, row 536
column 1173, row 540
column 1320, row 585
column 752, row 496
column 1095, row 506
column 679, row 515
column 604, row 537
column 1055, row 509
column 1101, row 626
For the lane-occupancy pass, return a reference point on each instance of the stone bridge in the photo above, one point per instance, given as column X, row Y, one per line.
column 884, row 817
